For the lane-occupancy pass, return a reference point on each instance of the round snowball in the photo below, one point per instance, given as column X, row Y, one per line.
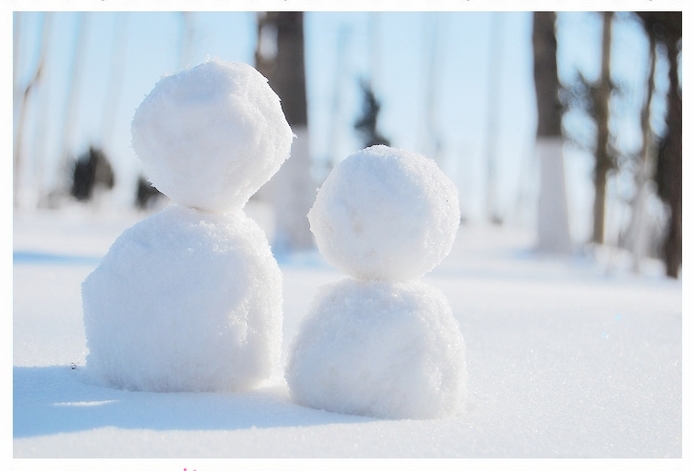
column 385, row 214
column 389, row 350
column 185, row 301
column 211, row 136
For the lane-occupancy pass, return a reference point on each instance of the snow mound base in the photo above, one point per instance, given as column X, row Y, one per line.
column 385, row 214
column 389, row 350
column 211, row 136
column 185, row 300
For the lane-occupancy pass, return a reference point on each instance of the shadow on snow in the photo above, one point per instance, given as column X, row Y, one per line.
column 56, row 399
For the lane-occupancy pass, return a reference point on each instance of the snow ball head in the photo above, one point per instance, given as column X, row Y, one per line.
column 185, row 300
column 211, row 136
column 385, row 214
column 379, row 348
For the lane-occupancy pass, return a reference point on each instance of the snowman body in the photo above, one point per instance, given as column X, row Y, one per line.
column 190, row 298
column 382, row 343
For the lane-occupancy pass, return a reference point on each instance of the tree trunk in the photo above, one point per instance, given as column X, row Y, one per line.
column 603, row 161
column 666, row 28
column 18, row 151
column 73, row 93
column 552, row 225
column 670, row 166
column 639, row 231
column 280, row 58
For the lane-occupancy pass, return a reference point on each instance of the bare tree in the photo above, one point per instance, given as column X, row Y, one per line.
column 34, row 82
column 495, row 59
column 367, row 124
column 666, row 29
column 279, row 56
column 552, row 225
column 603, row 159
column 639, row 233
column 92, row 174
column 74, row 89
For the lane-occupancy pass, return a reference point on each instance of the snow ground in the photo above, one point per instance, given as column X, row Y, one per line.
column 567, row 358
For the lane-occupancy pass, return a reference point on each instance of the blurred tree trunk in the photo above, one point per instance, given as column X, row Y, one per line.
column 367, row 124
column 639, row 233
column 73, row 95
column 279, row 56
column 603, row 161
column 552, row 225
column 23, row 102
column 666, row 27
column 669, row 169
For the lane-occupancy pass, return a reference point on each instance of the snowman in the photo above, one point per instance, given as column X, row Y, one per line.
column 190, row 298
column 381, row 342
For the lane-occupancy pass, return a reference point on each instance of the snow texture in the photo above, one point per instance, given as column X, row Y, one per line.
column 185, row 300
column 385, row 214
column 567, row 358
column 376, row 345
column 190, row 299
column 390, row 350
column 211, row 136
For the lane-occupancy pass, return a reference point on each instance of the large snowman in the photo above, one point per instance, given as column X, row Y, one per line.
column 382, row 342
column 190, row 298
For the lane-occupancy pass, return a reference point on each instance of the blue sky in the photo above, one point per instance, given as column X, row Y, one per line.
column 401, row 52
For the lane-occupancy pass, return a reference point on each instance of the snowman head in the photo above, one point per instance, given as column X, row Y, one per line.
column 385, row 214
column 211, row 136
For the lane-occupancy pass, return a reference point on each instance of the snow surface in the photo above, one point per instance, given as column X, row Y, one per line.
column 566, row 358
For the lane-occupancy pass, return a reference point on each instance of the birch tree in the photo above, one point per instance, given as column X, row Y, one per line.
column 279, row 56
column 552, row 226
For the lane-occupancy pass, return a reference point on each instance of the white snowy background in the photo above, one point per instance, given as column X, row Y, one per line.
column 567, row 358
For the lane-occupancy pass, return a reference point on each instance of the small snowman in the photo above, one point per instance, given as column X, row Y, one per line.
column 190, row 298
column 382, row 343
